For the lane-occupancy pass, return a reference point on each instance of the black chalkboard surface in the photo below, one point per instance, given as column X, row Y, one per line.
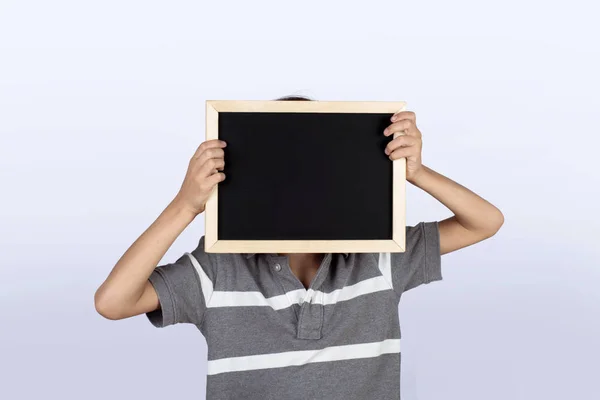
column 301, row 179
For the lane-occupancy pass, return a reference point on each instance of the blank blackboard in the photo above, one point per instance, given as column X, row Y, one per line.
column 304, row 177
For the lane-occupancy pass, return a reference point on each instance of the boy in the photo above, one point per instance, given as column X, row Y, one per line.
column 293, row 326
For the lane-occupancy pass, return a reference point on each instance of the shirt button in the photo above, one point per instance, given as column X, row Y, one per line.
column 277, row 267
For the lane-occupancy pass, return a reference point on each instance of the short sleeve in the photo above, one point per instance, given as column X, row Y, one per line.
column 420, row 263
column 183, row 288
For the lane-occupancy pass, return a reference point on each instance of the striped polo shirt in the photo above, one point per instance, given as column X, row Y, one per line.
column 269, row 337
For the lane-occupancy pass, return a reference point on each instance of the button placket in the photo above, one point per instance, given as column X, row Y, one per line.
column 310, row 321
column 282, row 273
column 307, row 297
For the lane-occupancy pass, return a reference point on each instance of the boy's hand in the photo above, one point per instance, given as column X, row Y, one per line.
column 408, row 144
column 202, row 176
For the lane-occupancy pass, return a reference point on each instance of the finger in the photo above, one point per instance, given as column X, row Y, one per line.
column 404, row 115
column 211, row 166
column 406, row 126
column 212, row 180
column 215, row 152
column 209, row 144
column 402, row 152
column 401, row 141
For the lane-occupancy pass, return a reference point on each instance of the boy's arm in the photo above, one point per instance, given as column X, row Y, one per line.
column 127, row 291
column 474, row 220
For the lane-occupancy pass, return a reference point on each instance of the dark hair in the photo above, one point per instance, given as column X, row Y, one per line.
column 293, row 98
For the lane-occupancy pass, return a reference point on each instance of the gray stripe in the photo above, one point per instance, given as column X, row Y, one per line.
column 256, row 274
column 228, row 330
column 250, row 275
column 335, row 380
column 341, row 276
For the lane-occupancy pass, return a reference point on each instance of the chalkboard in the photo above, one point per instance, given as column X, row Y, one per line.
column 305, row 177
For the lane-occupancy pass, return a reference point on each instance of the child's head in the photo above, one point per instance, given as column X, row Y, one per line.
column 293, row 98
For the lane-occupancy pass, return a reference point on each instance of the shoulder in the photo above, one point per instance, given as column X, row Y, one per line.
column 214, row 262
column 226, row 271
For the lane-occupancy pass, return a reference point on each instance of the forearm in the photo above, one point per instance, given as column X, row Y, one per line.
column 471, row 211
column 126, row 282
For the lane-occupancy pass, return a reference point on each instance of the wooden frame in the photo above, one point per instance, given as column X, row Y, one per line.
column 396, row 244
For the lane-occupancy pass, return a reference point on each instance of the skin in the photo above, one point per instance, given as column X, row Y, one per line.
column 127, row 292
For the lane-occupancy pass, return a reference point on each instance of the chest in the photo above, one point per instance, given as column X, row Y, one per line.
column 271, row 310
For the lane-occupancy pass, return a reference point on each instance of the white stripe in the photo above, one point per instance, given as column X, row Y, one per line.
column 301, row 357
column 385, row 266
column 241, row 299
column 205, row 282
column 367, row 286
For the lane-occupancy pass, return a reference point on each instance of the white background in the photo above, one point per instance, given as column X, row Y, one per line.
column 102, row 104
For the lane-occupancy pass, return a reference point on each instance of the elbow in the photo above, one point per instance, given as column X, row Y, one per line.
column 494, row 222
column 105, row 306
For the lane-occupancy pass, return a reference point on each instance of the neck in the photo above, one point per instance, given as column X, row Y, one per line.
column 304, row 265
